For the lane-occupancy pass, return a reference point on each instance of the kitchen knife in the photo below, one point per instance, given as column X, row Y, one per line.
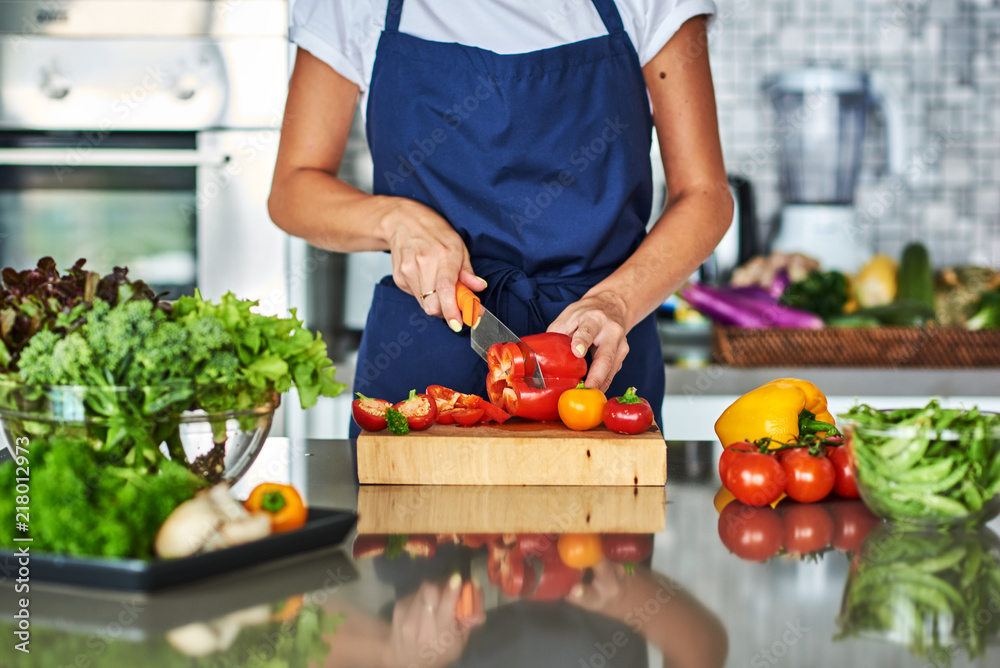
column 487, row 330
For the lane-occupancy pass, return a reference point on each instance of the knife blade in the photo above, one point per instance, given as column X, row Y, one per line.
column 488, row 330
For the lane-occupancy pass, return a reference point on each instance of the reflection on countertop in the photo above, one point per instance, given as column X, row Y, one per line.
column 385, row 596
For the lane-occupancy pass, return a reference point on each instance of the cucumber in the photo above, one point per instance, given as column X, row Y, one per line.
column 909, row 312
column 915, row 277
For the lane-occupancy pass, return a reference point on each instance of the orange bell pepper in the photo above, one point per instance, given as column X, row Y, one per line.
column 287, row 509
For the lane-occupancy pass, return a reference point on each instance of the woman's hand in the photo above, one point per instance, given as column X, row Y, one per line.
column 605, row 592
column 425, row 630
column 596, row 321
column 428, row 258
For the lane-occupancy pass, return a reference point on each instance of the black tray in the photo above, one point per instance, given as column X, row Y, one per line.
column 323, row 527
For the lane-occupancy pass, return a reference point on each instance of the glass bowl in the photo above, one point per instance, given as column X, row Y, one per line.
column 216, row 430
column 925, row 477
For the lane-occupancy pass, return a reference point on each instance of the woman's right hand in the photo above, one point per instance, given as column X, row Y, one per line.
column 428, row 256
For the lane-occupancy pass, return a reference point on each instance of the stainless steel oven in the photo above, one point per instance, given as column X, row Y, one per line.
column 144, row 133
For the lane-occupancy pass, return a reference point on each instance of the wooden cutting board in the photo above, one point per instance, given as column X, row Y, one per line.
column 460, row 509
column 517, row 452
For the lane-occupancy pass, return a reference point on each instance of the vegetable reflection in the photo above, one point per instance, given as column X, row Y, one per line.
column 937, row 593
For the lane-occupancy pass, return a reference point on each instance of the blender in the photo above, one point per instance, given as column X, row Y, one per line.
column 821, row 115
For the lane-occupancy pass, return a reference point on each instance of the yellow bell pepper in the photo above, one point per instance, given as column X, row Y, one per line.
column 779, row 410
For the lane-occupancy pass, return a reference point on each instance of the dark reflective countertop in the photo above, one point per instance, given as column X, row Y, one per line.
column 866, row 595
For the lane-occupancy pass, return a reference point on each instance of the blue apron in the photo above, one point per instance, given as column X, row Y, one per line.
column 540, row 161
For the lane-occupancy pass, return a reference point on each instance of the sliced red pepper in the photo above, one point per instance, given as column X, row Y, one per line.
column 506, row 385
column 369, row 413
column 420, row 410
column 467, row 416
column 449, row 401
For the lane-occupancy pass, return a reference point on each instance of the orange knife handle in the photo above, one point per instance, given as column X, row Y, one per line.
column 469, row 303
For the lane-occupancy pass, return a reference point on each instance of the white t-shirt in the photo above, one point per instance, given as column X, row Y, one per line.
column 345, row 33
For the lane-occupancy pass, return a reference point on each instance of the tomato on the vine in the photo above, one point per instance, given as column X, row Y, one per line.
column 730, row 453
column 751, row 533
column 755, row 479
column 845, row 485
column 580, row 550
column 808, row 527
column 809, row 478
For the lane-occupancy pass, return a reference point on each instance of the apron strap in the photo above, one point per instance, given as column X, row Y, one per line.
column 392, row 13
column 609, row 14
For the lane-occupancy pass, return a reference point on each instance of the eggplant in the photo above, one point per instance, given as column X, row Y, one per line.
column 730, row 307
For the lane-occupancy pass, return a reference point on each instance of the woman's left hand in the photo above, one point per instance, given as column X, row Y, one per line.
column 596, row 321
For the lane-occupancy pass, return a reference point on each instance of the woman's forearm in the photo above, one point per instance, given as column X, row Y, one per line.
column 682, row 239
column 330, row 213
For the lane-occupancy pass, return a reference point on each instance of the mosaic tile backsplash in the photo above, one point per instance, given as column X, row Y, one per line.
column 940, row 58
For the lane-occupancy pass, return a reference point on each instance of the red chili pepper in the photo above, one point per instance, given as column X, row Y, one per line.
column 369, row 413
column 507, row 388
column 420, row 410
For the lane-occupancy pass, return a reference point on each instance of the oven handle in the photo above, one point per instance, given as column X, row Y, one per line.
column 70, row 158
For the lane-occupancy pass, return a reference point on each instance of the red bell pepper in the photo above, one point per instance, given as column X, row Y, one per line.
column 465, row 409
column 369, row 413
column 506, row 385
column 420, row 410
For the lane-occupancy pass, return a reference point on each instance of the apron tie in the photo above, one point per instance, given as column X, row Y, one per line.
column 528, row 304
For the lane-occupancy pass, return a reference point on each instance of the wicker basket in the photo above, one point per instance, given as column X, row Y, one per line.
column 887, row 347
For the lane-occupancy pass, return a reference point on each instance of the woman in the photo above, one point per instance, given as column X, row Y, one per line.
column 511, row 143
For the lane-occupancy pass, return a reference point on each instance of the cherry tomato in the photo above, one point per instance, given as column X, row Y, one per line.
column 582, row 407
column 756, row 479
column 730, row 453
column 369, row 413
column 852, row 522
column 420, row 410
column 627, row 548
column 845, row 485
column 809, row 478
column 628, row 414
column 580, row 550
column 808, row 527
column 751, row 533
